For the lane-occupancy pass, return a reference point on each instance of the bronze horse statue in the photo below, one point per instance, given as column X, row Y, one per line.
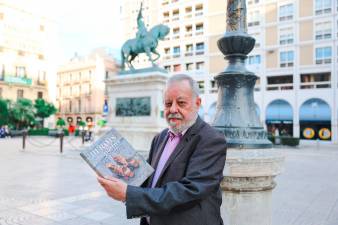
column 133, row 47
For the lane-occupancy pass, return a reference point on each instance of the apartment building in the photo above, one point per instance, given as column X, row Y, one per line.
column 81, row 89
column 26, row 44
column 295, row 57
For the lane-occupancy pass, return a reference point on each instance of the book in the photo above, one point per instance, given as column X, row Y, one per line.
column 111, row 155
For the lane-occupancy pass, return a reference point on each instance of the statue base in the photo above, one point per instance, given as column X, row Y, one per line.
column 247, row 186
column 136, row 106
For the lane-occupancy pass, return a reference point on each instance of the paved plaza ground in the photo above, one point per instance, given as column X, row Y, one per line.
column 40, row 186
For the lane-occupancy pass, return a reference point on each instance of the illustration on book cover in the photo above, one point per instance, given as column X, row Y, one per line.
column 112, row 155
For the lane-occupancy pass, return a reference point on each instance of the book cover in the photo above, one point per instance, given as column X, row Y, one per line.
column 112, row 155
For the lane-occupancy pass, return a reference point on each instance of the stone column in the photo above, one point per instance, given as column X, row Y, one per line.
column 251, row 162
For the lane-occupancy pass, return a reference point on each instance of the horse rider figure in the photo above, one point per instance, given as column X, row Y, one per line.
column 142, row 30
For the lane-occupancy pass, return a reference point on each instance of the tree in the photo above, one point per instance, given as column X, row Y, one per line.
column 22, row 113
column 43, row 109
column 4, row 114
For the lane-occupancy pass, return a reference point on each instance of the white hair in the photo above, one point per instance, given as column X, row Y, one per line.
column 181, row 77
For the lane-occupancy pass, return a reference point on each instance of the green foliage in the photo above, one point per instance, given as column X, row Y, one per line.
column 285, row 140
column 22, row 113
column 290, row 141
column 4, row 113
column 60, row 122
column 38, row 132
column 43, row 108
column 101, row 123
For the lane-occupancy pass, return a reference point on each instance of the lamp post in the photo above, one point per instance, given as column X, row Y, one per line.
column 251, row 164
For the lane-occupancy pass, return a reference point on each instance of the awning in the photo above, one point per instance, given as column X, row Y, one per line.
column 315, row 110
column 279, row 110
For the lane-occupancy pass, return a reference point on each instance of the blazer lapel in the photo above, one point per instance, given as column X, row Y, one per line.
column 180, row 147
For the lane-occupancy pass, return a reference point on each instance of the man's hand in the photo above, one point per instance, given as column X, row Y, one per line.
column 114, row 187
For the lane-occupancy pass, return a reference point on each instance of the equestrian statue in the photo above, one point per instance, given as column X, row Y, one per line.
column 145, row 42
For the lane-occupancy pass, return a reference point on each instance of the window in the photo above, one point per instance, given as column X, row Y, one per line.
column 323, row 55
column 286, row 36
column 176, row 14
column 254, row 59
column 19, row 94
column 323, row 30
column 176, row 33
column 200, row 46
column 199, row 65
column 177, row 51
column 107, row 75
column 167, row 68
column 251, row 2
column 0, row 92
column 189, row 50
column 286, row 59
column 199, row 10
column 189, row 66
column 167, row 51
column 188, row 12
column 177, row 67
column 166, row 17
column 257, row 38
column 201, row 86
column 253, row 18
column 20, row 71
column 322, row 7
column 286, row 12
column 284, row 82
column 199, row 28
column 188, row 31
column 40, row 94
column 315, row 80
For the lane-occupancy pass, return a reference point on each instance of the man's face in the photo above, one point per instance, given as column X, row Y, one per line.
column 180, row 106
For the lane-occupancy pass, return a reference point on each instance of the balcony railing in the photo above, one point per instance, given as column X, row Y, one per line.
column 175, row 18
column 279, row 87
column 200, row 32
column 199, row 52
column 315, row 85
column 199, row 13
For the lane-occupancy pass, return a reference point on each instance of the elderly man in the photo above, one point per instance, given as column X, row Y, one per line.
column 188, row 159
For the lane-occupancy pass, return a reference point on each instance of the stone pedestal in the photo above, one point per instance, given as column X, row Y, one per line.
column 136, row 106
column 247, row 185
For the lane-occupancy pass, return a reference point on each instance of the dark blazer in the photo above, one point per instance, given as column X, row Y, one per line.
column 188, row 189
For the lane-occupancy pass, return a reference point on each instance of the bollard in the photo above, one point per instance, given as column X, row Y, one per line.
column 83, row 137
column 61, row 141
column 24, row 136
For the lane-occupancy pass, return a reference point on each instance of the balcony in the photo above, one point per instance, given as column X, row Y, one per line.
column 175, row 18
column 188, row 15
column 176, row 36
column 279, row 87
column 176, row 55
column 188, row 34
column 199, row 52
column 166, row 56
column 315, row 85
column 190, row 53
column 199, row 32
column 199, row 13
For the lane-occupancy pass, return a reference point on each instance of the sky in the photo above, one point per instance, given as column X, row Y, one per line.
column 82, row 25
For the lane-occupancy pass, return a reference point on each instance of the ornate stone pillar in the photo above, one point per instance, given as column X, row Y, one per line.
column 251, row 162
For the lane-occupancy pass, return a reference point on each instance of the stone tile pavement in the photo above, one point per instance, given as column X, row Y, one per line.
column 40, row 186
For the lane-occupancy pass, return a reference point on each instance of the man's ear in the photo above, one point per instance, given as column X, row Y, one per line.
column 198, row 101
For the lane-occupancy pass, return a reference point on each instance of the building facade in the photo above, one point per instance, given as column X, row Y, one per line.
column 80, row 87
column 295, row 57
column 26, row 44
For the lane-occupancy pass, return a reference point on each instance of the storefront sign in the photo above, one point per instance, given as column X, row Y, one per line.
column 308, row 133
column 324, row 133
